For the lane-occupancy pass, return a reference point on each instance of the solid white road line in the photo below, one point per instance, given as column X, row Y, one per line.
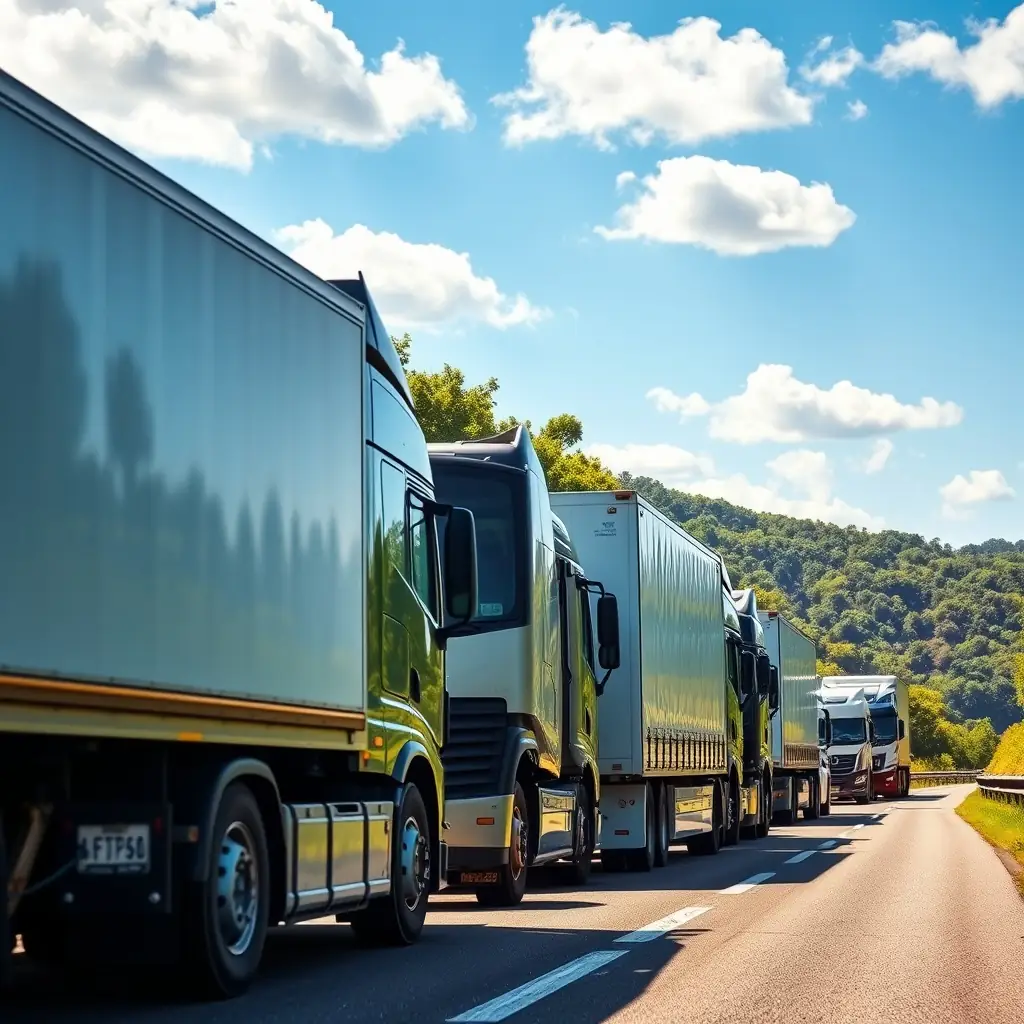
column 533, row 991
column 848, row 834
column 801, row 857
column 827, row 845
column 747, row 884
column 666, row 924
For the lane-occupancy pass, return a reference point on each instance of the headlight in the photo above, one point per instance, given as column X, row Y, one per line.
column 861, row 779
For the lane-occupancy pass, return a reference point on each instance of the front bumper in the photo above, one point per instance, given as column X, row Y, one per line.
column 848, row 787
column 477, row 836
column 886, row 782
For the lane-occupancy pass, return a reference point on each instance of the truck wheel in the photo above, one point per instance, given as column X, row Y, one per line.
column 732, row 819
column 397, row 918
column 826, row 806
column 228, row 913
column 643, row 859
column 664, row 838
column 764, row 822
column 813, row 801
column 788, row 816
column 511, row 886
column 579, row 873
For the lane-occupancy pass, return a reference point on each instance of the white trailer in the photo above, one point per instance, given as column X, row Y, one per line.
column 670, row 769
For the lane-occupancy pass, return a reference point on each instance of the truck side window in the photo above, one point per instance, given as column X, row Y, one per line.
column 392, row 488
column 588, row 628
column 422, row 546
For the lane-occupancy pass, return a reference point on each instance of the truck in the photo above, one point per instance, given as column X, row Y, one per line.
column 796, row 755
column 889, row 701
column 522, row 787
column 757, row 714
column 670, row 735
column 852, row 736
column 222, row 668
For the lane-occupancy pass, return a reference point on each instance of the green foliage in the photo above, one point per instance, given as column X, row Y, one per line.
column 448, row 410
column 1009, row 756
column 946, row 743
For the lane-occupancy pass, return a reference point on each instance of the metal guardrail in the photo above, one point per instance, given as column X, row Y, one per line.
column 940, row 778
column 1007, row 788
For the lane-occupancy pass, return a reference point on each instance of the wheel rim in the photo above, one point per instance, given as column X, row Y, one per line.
column 415, row 863
column 238, row 883
column 517, row 848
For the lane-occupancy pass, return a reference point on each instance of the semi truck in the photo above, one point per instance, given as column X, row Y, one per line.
column 849, row 752
column 889, row 701
column 670, row 749
column 522, row 786
column 757, row 712
column 222, row 668
column 796, row 755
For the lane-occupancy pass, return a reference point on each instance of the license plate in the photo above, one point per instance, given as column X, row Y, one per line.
column 478, row 877
column 113, row 849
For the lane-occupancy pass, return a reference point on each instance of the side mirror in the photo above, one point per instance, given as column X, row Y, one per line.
column 763, row 675
column 903, row 729
column 773, row 689
column 748, row 674
column 608, row 654
column 460, row 580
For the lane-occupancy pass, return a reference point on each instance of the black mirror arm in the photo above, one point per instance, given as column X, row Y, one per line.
column 599, row 687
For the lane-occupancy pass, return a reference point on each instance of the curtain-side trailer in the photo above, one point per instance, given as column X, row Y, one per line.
column 222, row 696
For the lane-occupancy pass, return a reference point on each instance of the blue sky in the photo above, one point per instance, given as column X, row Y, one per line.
column 900, row 281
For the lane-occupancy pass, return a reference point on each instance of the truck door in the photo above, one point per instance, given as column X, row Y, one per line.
column 579, row 684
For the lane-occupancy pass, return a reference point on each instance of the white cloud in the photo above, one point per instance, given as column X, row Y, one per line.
column 775, row 406
column 834, row 70
column 687, row 87
column 731, row 209
column 880, row 452
column 684, row 405
column 992, row 68
column 624, row 179
column 807, row 475
column 856, row 110
column 414, row 285
column 214, row 81
column 978, row 487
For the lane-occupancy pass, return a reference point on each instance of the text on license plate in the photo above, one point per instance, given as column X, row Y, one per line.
column 478, row 877
column 113, row 849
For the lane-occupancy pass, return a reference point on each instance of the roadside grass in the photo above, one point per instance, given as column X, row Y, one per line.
column 1000, row 824
column 1009, row 756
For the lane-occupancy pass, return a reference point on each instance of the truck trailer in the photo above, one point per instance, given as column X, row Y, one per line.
column 222, row 688
column 889, row 700
column 670, row 748
column 852, row 736
column 522, row 786
column 796, row 754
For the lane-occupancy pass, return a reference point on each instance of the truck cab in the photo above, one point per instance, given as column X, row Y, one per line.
column 524, row 678
column 849, row 753
column 764, row 699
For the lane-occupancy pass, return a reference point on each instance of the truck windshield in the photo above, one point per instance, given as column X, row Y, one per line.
column 886, row 729
column 492, row 495
column 848, row 730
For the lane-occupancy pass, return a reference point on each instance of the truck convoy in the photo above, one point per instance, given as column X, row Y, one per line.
column 888, row 698
column 522, row 785
column 852, row 736
column 796, row 755
column 222, row 668
column 670, row 750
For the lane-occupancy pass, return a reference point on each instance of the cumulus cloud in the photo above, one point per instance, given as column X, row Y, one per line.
column 686, row 87
column 731, row 209
column 963, row 493
column 214, row 81
column 991, row 69
column 834, row 69
column 775, row 406
column 805, row 474
column 857, row 110
column 880, row 452
column 414, row 285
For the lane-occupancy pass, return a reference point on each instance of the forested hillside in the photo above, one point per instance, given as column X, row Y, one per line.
column 949, row 620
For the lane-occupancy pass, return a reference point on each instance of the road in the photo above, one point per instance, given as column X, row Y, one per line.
column 894, row 912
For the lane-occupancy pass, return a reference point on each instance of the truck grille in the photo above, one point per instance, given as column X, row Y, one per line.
column 476, row 742
column 842, row 764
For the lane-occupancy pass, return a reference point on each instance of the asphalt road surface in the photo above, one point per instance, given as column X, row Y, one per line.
column 894, row 912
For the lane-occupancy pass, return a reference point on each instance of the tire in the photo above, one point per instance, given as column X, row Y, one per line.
column 813, row 808
column 764, row 824
column 643, row 859
column 787, row 817
column 826, row 807
column 663, row 837
column 582, row 862
column 397, row 918
column 731, row 827
column 511, row 885
column 227, row 915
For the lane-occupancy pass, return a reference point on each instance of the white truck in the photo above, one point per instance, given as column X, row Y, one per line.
column 796, row 754
column 670, row 731
column 849, row 753
column 889, row 700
